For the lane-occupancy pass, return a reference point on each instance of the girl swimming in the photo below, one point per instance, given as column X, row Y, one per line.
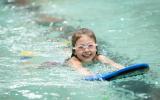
column 85, row 50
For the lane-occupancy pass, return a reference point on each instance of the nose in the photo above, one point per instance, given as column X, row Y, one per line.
column 86, row 49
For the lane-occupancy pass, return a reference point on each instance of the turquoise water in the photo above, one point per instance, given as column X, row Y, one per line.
column 128, row 32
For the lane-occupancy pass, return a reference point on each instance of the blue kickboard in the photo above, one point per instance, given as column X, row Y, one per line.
column 128, row 71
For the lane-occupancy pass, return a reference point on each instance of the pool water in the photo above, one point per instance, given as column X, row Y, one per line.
column 127, row 32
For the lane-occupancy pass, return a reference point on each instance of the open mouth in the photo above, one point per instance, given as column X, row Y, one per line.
column 86, row 55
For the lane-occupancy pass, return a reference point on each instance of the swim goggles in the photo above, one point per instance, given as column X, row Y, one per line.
column 85, row 46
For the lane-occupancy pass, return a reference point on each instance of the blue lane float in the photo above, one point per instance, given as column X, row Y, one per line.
column 128, row 71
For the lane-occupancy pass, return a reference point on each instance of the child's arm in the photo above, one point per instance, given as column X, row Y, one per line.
column 76, row 64
column 106, row 60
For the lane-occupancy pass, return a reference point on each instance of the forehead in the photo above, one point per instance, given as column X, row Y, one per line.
column 84, row 39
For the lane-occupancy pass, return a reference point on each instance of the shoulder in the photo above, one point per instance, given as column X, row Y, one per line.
column 100, row 57
column 103, row 59
column 73, row 61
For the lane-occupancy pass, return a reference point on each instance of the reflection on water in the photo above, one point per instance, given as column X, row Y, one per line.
column 141, row 90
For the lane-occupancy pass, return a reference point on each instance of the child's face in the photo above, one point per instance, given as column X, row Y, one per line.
column 85, row 48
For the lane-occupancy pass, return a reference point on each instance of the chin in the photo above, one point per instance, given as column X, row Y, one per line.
column 87, row 60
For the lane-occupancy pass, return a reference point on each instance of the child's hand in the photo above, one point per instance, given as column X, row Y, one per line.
column 94, row 77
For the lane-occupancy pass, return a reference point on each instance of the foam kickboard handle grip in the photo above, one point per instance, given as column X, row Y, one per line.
column 123, row 71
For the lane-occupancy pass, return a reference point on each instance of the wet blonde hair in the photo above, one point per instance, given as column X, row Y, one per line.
column 78, row 34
